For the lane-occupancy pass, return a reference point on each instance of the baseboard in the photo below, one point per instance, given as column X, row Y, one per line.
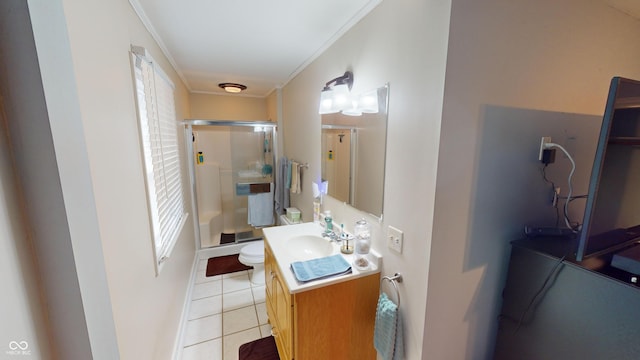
column 177, row 347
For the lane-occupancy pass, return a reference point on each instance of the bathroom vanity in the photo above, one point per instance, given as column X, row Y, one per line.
column 330, row 318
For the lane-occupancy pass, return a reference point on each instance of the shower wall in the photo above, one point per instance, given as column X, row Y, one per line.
column 213, row 183
column 229, row 155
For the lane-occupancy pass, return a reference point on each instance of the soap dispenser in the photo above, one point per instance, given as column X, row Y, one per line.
column 328, row 222
column 362, row 233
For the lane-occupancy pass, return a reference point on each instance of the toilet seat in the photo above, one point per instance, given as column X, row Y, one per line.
column 253, row 253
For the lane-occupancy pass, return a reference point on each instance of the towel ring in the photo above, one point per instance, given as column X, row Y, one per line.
column 394, row 280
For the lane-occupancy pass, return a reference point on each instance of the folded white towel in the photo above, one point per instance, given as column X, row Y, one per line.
column 260, row 208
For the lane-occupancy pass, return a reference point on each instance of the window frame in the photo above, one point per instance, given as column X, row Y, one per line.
column 160, row 154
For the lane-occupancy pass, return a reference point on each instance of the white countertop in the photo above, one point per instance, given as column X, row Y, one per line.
column 277, row 237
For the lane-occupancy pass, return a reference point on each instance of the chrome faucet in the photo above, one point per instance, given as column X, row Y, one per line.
column 329, row 234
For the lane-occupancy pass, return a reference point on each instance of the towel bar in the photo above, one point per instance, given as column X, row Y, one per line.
column 394, row 280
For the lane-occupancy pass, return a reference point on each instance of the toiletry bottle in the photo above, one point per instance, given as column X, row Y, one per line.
column 362, row 232
column 200, row 157
column 328, row 221
column 316, row 210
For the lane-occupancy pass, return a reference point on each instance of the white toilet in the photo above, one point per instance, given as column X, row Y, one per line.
column 253, row 255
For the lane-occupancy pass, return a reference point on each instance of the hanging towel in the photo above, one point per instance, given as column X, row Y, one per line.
column 387, row 336
column 295, row 178
column 293, row 168
column 288, row 174
column 260, row 212
column 281, row 195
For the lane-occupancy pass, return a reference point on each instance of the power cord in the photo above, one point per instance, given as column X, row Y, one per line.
column 573, row 169
column 537, row 294
column 553, row 188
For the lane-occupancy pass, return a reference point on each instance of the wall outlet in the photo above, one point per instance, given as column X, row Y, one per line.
column 394, row 239
column 543, row 141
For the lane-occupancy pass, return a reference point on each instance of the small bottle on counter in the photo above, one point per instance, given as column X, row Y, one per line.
column 328, row 221
column 316, row 210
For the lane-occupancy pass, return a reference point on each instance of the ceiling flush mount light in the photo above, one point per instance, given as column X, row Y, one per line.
column 335, row 95
column 232, row 87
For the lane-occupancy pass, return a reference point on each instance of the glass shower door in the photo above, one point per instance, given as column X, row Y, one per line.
column 231, row 166
column 252, row 162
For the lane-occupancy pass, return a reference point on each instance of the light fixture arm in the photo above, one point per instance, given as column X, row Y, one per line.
column 347, row 78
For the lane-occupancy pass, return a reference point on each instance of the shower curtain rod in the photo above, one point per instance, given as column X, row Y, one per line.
column 229, row 123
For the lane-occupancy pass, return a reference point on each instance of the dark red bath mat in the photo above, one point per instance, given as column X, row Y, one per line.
column 227, row 238
column 225, row 265
column 261, row 349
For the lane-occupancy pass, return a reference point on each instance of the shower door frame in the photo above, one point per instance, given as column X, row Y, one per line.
column 188, row 137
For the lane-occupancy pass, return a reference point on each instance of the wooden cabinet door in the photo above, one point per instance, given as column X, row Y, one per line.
column 269, row 271
column 283, row 317
column 278, row 306
column 337, row 321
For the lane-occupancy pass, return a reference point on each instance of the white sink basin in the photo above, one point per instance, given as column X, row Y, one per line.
column 307, row 247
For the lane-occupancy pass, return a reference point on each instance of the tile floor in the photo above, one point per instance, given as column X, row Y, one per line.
column 226, row 311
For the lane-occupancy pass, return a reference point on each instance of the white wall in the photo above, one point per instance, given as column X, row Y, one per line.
column 146, row 309
column 21, row 306
column 513, row 69
column 49, row 157
column 21, row 309
column 228, row 107
column 215, row 144
column 402, row 42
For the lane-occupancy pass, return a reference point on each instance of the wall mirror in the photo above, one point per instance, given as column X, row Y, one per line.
column 353, row 156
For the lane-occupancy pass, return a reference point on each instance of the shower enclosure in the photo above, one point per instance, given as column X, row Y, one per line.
column 231, row 167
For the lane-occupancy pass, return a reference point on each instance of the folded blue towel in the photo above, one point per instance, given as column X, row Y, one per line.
column 387, row 337
column 320, row 268
column 288, row 173
column 243, row 189
column 282, row 191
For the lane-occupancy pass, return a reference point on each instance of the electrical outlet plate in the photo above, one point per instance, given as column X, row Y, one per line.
column 394, row 239
column 543, row 141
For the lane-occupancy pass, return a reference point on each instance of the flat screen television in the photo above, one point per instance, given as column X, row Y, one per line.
column 612, row 213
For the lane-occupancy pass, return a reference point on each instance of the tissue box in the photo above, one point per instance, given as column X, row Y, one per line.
column 293, row 214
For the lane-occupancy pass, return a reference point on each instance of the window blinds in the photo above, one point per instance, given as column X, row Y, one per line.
column 158, row 133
